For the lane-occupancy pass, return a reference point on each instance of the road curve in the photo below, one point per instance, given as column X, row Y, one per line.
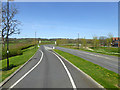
column 106, row 61
column 46, row 70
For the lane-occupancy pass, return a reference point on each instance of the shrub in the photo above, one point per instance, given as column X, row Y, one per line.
column 16, row 48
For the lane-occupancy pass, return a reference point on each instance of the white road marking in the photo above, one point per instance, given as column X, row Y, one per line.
column 69, row 75
column 27, row 72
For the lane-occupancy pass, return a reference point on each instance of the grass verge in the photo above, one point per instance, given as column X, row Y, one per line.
column 105, row 77
column 15, row 62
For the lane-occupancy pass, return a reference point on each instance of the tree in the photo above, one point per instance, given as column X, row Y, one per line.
column 109, row 39
column 84, row 43
column 95, row 42
column 108, row 42
column 9, row 23
column 102, row 40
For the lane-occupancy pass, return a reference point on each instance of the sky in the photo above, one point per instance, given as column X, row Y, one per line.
column 64, row 0
column 67, row 19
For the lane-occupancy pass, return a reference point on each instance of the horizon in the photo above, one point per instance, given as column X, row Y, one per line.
column 56, row 38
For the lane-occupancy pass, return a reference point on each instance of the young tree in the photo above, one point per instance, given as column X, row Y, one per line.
column 9, row 23
column 102, row 40
column 95, row 42
column 108, row 42
column 84, row 43
column 110, row 39
column 58, row 42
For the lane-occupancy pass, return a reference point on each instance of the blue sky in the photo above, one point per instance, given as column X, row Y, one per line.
column 66, row 19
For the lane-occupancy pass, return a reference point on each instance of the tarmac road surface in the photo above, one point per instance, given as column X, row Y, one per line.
column 48, row 70
column 106, row 61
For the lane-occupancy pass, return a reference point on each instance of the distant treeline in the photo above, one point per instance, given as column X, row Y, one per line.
column 83, row 42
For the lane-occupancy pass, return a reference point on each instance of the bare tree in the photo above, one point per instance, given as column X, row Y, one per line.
column 9, row 23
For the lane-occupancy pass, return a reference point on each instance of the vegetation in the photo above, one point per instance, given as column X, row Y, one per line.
column 100, row 44
column 109, row 50
column 15, row 62
column 16, row 47
column 95, row 42
column 113, row 51
column 9, row 23
column 47, row 42
column 106, row 78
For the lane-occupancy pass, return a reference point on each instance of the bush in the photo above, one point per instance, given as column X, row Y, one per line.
column 16, row 49
column 12, row 52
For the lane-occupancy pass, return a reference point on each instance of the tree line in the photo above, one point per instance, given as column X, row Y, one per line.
column 83, row 42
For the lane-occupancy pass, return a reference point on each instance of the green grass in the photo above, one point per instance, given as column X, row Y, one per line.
column 102, row 50
column 47, row 42
column 15, row 62
column 106, row 49
column 106, row 78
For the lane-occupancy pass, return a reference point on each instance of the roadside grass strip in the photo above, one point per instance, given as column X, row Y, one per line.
column 15, row 62
column 108, row 79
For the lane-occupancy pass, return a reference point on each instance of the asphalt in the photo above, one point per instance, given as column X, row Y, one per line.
column 106, row 61
column 49, row 73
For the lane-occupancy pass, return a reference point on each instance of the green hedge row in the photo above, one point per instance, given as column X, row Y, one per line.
column 15, row 50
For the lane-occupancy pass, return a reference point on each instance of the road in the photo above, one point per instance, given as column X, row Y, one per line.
column 106, row 61
column 48, row 70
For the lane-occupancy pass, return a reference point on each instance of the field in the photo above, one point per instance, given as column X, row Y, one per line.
column 48, row 42
column 106, row 78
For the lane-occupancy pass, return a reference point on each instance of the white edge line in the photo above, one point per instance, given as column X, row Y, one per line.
column 69, row 75
column 28, row 71
column 90, row 78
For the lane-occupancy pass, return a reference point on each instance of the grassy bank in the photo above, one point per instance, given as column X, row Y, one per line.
column 106, row 78
column 102, row 50
column 15, row 62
